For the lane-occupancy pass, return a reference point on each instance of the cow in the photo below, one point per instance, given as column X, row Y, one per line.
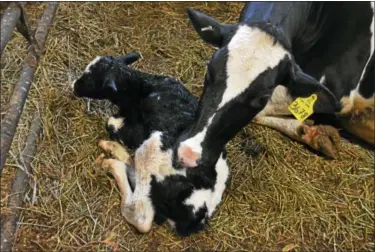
column 153, row 111
column 277, row 52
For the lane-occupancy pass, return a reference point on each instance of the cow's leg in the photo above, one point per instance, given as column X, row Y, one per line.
column 357, row 113
column 322, row 138
column 357, row 116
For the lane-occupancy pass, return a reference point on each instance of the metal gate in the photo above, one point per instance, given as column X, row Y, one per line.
column 15, row 17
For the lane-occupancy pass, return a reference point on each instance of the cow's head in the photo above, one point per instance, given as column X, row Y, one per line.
column 250, row 61
column 98, row 81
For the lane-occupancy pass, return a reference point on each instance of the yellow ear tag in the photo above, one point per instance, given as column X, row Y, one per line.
column 302, row 108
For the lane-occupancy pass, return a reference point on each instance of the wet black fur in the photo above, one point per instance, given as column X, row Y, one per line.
column 152, row 103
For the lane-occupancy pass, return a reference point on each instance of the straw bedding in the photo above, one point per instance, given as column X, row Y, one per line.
column 287, row 198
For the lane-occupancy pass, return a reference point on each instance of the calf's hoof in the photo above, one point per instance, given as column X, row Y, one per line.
column 322, row 138
column 140, row 214
column 99, row 160
column 116, row 150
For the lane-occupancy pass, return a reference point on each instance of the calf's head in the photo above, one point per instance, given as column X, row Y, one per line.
column 98, row 81
column 250, row 61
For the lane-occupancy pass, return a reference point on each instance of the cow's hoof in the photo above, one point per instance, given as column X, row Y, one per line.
column 322, row 138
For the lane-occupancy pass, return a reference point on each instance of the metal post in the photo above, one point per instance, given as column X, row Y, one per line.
column 20, row 186
column 21, row 89
column 8, row 23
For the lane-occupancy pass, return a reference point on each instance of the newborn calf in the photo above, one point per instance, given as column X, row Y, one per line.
column 153, row 112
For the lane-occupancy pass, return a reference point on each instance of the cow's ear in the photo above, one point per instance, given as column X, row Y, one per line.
column 302, row 84
column 130, row 58
column 210, row 30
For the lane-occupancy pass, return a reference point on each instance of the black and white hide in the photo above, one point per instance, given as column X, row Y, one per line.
column 279, row 51
column 153, row 111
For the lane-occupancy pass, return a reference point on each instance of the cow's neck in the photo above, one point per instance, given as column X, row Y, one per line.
column 290, row 17
column 319, row 37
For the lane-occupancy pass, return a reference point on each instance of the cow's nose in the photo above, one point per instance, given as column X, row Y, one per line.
column 187, row 156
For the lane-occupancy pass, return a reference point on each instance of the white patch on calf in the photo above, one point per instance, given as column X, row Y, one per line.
column 171, row 223
column 198, row 198
column 251, row 51
column 87, row 69
column 211, row 197
column 151, row 160
column 116, row 123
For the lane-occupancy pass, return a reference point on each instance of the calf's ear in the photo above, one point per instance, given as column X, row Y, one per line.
column 130, row 58
column 304, row 85
column 210, row 30
column 110, row 84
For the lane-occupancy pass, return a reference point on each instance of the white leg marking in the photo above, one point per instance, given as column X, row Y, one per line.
column 250, row 52
column 116, row 123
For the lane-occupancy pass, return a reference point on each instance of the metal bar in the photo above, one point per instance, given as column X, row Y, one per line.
column 17, row 101
column 20, row 186
column 24, row 28
column 8, row 23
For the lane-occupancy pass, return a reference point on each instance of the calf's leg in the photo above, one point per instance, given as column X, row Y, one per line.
column 118, row 170
column 136, row 206
column 116, row 150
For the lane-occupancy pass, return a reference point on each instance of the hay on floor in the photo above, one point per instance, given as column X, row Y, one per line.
column 288, row 198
